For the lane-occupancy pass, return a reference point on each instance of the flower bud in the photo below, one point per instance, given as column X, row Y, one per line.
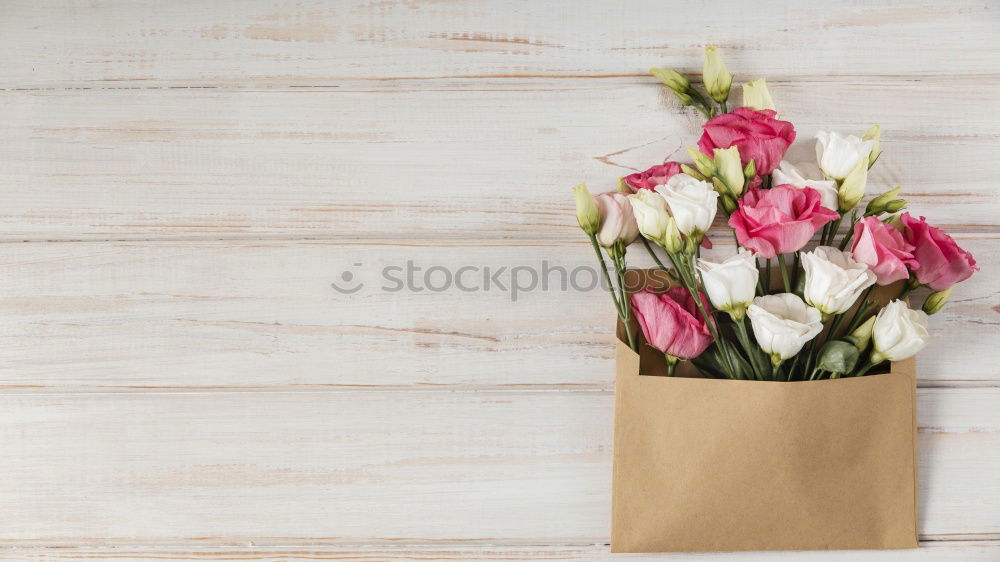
column 702, row 162
column 756, row 95
column 895, row 205
column 691, row 243
column 751, row 170
column 693, row 173
column 586, row 210
column 716, row 76
column 685, row 99
column 673, row 79
column 838, row 357
column 894, row 221
column 936, row 300
column 720, row 186
column 623, row 186
column 730, row 169
column 852, row 189
column 878, row 205
column 672, row 241
column 728, row 204
column 862, row 334
column 874, row 134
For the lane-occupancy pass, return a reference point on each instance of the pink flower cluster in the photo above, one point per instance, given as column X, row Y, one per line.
column 934, row 257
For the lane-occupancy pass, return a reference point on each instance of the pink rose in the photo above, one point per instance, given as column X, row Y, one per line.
column 942, row 262
column 671, row 322
column 657, row 175
column 882, row 248
column 779, row 220
column 758, row 135
column 617, row 219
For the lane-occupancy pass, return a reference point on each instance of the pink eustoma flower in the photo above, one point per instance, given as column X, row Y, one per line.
column 653, row 177
column 671, row 322
column 942, row 262
column 617, row 219
column 780, row 220
column 882, row 248
column 756, row 133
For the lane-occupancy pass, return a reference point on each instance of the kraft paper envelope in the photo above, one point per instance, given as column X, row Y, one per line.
column 718, row 465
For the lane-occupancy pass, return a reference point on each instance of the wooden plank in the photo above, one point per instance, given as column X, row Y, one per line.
column 264, row 314
column 357, row 466
column 141, row 44
column 964, row 551
column 463, row 164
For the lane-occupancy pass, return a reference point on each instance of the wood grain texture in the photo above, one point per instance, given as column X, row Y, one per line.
column 962, row 551
column 356, row 466
column 194, row 44
column 264, row 314
column 178, row 379
column 471, row 161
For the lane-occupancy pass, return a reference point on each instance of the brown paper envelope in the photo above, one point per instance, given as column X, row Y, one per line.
column 716, row 465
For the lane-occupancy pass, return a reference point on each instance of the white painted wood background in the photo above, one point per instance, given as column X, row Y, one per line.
column 180, row 182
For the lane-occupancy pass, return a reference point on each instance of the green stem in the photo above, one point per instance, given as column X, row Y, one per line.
column 653, row 255
column 864, row 370
column 833, row 232
column 832, row 333
column 682, row 266
column 623, row 298
column 815, row 372
column 784, row 273
column 850, row 231
column 704, row 106
column 767, row 277
column 604, row 270
column 861, row 310
column 671, row 363
column 760, row 282
column 611, row 289
column 795, row 271
column 744, row 337
column 722, row 105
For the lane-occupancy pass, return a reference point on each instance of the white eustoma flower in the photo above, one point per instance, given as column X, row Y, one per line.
column 899, row 332
column 834, row 280
column 804, row 175
column 782, row 324
column 692, row 203
column 731, row 285
column 651, row 214
column 838, row 155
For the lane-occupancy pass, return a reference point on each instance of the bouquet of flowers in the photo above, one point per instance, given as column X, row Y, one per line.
column 815, row 317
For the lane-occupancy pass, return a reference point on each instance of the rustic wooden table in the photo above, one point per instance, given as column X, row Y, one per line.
column 183, row 181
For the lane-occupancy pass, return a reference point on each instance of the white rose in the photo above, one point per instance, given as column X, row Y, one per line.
column 834, row 280
column 838, row 155
column 651, row 214
column 782, row 324
column 899, row 332
column 803, row 175
column 731, row 285
column 692, row 203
